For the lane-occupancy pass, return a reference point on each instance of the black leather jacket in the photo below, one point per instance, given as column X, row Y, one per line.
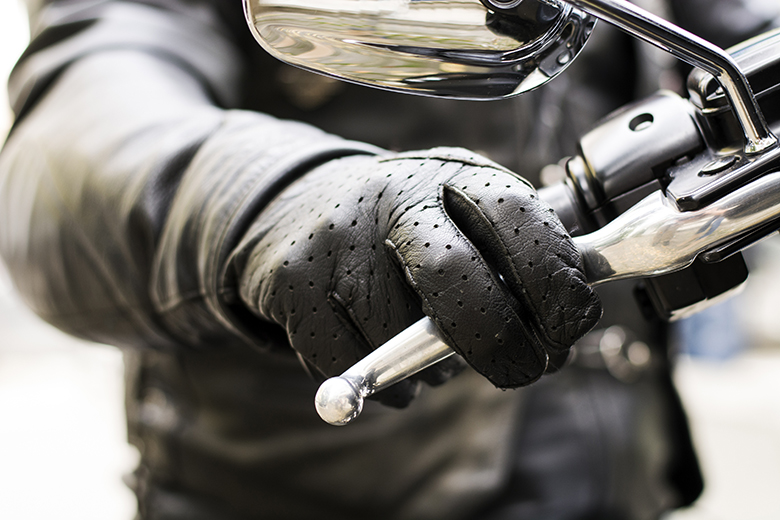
column 143, row 146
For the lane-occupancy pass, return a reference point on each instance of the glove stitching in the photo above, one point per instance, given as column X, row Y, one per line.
column 346, row 315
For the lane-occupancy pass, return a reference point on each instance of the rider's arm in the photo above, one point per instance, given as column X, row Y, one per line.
column 124, row 183
column 136, row 210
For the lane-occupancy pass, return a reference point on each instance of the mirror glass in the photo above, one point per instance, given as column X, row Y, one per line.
column 444, row 48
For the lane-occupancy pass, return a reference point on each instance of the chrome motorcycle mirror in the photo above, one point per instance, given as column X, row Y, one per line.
column 443, row 48
column 476, row 49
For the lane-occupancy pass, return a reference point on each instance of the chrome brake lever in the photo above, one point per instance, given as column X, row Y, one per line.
column 653, row 237
column 339, row 400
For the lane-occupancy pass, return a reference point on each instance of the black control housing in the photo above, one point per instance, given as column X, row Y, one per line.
column 691, row 150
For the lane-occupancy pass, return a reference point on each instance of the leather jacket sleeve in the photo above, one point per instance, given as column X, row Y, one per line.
column 124, row 184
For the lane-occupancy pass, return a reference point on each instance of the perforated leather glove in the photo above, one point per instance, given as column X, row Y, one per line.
column 351, row 253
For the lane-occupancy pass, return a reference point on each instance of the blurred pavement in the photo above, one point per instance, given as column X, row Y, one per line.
column 62, row 425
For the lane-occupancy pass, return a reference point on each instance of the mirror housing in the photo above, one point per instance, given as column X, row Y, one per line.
column 443, row 48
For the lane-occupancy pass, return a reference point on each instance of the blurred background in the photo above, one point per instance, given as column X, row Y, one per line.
column 63, row 450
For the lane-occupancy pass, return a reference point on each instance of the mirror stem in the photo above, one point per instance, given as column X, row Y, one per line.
column 694, row 51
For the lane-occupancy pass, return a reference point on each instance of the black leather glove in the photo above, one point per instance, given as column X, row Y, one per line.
column 355, row 250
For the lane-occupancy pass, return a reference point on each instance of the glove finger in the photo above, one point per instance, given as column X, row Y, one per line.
column 287, row 286
column 523, row 238
column 465, row 296
column 368, row 286
column 332, row 286
column 333, row 331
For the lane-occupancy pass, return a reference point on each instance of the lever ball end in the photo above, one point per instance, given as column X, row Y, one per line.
column 338, row 401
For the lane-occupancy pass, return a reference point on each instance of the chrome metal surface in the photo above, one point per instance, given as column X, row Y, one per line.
column 758, row 55
column 652, row 238
column 443, row 48
column 695, row 51
column 339, row 400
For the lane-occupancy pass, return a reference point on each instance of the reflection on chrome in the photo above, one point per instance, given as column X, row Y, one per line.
column 654, row 237
column 446, row 48
column 339, row 400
